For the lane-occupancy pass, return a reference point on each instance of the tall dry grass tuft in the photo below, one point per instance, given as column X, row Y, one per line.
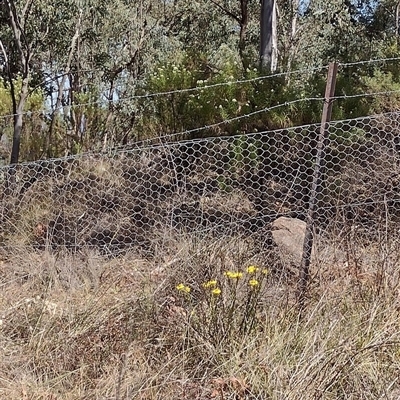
column 204, row 320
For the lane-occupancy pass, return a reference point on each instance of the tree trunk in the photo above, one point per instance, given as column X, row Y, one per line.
column 18, row 121
column 292, row 46
column 268, row 40
column 18, row 110
column 17, row 25
column 397, row 23
column 61, row 87
column 295, row 13
column 244, row 20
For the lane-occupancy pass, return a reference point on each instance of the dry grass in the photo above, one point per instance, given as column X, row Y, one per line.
column 87, row 327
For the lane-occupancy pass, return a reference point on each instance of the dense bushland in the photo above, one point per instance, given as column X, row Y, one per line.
column 90, row 66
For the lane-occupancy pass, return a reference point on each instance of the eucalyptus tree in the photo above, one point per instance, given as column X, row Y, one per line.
column 85, row 55
column 17, row 46
column 118, row 42
column 29, row 30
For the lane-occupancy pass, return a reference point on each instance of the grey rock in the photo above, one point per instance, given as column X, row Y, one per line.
column 288, row 236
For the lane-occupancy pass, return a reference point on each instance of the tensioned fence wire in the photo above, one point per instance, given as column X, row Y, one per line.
column 145, row 198
column 178, row 135
column 201, row 87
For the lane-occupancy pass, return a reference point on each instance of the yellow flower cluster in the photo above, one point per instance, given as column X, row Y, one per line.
column 252, row 269
column 233, row 275
column 210, row 284
column 182, row 288
column 216, row 291
column 213, row 284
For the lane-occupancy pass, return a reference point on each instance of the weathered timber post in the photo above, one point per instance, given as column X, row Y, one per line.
column 316, row 183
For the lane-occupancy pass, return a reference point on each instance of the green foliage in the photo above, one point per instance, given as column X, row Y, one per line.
column 375, row 89
column 33, row 134
column 382, row 81
column 34, row 102
column 191, row 109
column 245, row 152
column 215, row 101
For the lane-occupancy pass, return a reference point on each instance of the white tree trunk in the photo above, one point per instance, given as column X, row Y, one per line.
column 269, row 38
column 295, row 13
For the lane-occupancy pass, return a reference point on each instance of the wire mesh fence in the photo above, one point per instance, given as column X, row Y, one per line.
column 225, row 187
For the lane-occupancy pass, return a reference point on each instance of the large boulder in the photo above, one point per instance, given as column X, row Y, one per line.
column 288, row 235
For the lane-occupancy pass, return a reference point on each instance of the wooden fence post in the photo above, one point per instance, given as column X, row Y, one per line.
column 316, row 183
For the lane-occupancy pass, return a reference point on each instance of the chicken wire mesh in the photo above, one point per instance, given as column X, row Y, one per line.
column 138, row 199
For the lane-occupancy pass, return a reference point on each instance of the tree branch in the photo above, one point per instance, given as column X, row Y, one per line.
column 25, row 12
column 116, row 71
column 3, row 50
column 9, row 77
column 19, row 35
column 226, row 11
column 15, row 26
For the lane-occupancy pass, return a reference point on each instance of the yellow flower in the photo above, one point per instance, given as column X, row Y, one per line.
column 233, row 275
column 182, row 288
column 216, row 291
column 265, row 271
column 253, row 282
column 252, row 269
column 210, row 284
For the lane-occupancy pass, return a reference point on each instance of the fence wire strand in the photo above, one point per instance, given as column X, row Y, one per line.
column 107, row 101
column 194, row 89
column 172, row 136
column 373, row 61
